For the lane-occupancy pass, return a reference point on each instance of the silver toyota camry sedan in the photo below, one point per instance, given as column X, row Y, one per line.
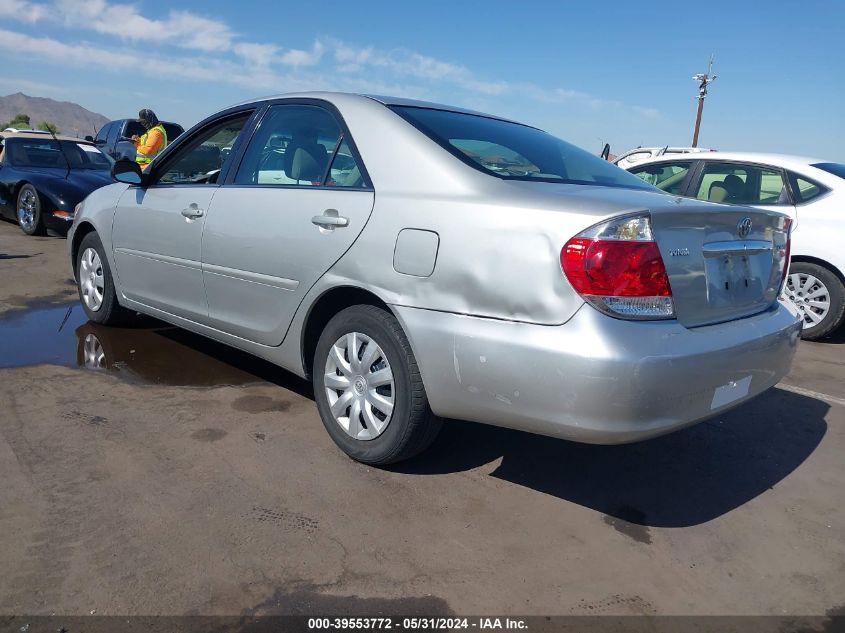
column 419, row 262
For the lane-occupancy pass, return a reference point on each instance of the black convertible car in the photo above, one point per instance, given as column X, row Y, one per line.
column 43, row 178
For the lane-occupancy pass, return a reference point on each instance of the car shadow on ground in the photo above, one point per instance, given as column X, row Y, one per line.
column 837, row 338
column 678, row 480
column 682, row 479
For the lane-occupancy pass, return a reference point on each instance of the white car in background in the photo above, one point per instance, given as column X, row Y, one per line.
column 811, row 191
column 639, row 154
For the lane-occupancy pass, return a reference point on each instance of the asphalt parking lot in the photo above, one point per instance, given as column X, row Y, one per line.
column 187, row 478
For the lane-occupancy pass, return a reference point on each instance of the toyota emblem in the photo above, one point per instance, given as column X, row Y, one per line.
column 743, row 227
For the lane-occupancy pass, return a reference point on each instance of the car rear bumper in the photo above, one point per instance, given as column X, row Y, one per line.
column 597, row 379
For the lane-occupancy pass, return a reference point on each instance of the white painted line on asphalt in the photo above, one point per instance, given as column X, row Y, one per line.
column 812, row 394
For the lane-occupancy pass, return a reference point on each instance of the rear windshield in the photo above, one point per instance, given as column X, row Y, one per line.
column 837, row 169
column 46, row 153
column 515, row 152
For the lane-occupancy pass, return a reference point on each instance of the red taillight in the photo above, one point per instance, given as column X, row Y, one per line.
column 615, row 268
column 787, row 229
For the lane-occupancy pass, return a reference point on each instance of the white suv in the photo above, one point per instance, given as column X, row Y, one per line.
column 811, row 191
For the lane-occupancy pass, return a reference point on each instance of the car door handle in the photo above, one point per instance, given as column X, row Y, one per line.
column 330, row 221
column 192, row 211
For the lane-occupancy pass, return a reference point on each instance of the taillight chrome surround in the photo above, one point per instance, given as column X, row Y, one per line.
column 616, row 267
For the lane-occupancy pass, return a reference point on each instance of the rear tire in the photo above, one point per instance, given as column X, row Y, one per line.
column 374, row 407
column 96, row 285
column 819, row 296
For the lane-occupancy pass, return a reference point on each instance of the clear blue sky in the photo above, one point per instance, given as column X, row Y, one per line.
column 618, row 72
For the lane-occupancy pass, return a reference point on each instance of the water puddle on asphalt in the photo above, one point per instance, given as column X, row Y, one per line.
column 149, row 351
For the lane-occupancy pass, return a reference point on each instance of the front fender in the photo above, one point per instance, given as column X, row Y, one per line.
column 96, row 212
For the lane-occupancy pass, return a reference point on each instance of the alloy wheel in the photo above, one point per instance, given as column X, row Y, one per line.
column 27, row 206
column 94, row 356
column 359, row 386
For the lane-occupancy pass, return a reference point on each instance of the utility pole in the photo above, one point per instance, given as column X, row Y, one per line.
column 703, row 79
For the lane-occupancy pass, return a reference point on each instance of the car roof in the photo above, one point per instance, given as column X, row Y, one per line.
column 42, row 136
column 386, row 100
column 779, row 160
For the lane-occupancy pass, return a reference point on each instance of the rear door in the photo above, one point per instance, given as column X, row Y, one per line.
column 157, row 231
column 296, row 203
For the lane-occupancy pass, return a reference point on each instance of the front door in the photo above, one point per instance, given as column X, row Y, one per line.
column 299, row 199
column 157, row 231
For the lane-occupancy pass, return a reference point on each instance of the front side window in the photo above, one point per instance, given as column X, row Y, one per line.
column 732, row 183
column 103, row 134
column 202, row 158
column 299, row 145
column 512, row 151
column 669, row 177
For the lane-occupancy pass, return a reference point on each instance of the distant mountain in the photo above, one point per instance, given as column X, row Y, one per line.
column 71, row 118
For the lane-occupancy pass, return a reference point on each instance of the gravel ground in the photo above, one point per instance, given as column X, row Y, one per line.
column 188, row 478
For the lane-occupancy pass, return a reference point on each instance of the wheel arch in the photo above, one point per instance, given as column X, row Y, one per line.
column 809, row 259
column 327, row 306
column 82, row 230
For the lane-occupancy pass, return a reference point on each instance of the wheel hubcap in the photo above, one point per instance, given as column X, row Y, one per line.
column 94, row 356
column 26, row 210
column 810, row 296
column 359, row 386
column 91, row 281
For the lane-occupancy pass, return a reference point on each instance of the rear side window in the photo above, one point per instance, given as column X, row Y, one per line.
column 669, row 177
column 299, row 145
column 512, row 151
column 804, row 189
column 732, row 183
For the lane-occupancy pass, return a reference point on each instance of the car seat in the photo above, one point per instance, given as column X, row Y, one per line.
column 718, row 192
column 305, row 159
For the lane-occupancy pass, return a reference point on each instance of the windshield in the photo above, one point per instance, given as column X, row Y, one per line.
column 515, row 152
column 46, row 153
column 837, row 169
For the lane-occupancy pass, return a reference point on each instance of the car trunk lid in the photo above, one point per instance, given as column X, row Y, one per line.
column 723, row 262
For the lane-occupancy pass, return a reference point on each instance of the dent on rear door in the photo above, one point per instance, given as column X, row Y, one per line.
column 261, row 253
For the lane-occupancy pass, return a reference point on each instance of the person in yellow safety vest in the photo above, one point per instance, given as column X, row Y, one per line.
column 151, row 142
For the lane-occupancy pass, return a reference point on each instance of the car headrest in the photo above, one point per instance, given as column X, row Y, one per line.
column 718, row 192
column 305, row 161
column 734, row 184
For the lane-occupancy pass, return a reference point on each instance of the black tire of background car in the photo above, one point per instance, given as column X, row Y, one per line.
column 413, row 426
column 38, row 228
column 835, row 288
column 110, row 312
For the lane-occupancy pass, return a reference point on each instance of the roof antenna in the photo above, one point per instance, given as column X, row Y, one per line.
column 61, row 149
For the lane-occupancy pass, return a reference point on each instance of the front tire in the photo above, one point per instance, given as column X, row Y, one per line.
column 819, row 296
column 368, row 388
column 96, row 285
column 29, row 211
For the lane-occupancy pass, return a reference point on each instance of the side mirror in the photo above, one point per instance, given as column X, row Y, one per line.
column 605, row 152
column 89, row 138
column 127, row 171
